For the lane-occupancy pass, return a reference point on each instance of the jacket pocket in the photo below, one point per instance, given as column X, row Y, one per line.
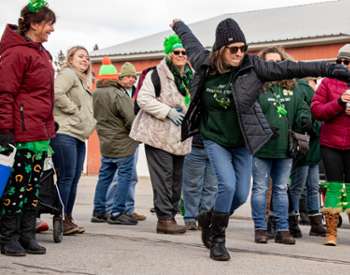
column 21, row 111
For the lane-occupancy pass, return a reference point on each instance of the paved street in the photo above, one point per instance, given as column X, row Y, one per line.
column 112, row 249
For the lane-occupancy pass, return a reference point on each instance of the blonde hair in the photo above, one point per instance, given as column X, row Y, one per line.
column 86, row 76
column 288, row 84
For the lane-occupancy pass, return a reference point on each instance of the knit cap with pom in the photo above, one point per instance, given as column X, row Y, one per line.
column 107, row 70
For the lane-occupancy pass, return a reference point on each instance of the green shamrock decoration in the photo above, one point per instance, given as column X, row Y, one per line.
column 36, row 5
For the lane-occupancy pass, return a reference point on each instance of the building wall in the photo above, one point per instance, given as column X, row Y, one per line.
column 317, row 52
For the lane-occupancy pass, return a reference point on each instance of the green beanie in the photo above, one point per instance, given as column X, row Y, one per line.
column 127, row 69
column 171, row 43
column 107, row 70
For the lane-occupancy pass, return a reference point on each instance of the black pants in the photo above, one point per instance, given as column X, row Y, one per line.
column 166, row 177
column 336, row 164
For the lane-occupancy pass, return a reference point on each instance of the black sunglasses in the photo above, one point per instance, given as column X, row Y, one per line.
column 343, row 61
column 177, row 52
column 234, row 49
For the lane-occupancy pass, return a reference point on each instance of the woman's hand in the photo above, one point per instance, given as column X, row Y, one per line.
column 172, row 24
column 345, row 97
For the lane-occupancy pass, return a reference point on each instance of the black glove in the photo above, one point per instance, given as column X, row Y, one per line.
column 275, row 133
column 6, row 138
column 339, row 72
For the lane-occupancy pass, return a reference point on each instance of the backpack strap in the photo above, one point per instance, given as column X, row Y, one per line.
column 156, row 81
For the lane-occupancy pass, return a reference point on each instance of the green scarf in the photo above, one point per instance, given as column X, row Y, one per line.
column 183, row 82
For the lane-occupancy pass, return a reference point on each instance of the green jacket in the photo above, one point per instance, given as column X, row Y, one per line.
column 298, row 116
column 114, row 113
column 314, row 154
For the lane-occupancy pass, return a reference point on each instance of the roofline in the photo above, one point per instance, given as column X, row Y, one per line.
column 256, row 46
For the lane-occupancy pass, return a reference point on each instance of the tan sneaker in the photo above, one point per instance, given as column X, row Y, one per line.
column 138, row 216
column 69, row 229
column 71, row 221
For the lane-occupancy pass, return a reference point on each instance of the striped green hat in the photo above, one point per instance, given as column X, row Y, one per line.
column 107, row 70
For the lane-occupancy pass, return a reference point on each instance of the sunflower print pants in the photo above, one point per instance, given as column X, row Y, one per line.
column 22, row 190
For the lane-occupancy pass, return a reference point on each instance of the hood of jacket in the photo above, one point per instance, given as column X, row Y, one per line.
column 11, row 38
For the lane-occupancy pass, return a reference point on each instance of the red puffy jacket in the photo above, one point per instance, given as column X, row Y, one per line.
column 26, row 88
column 335, row 130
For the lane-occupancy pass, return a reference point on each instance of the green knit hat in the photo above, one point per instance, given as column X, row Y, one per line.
column 107, row 70
column 171, row 43
column 127, row 69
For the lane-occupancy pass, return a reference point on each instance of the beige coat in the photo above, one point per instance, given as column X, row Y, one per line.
column 151, row 125
column 73, row 106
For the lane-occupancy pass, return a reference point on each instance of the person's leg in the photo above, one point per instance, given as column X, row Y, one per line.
column 111, row 193
column 313, row 201
column 242, row 162
column 160, row 165
column 213, row 234
column 65, row 161
column 124, row 170
column 210, row 187
column 333, row 164
column 193, row 177
column 280, row 172
column 130, row 201
column 298, row 178
column 177, row 182
column 346, row 163
column 299, row 175
column 261, row 175
column 107, row 172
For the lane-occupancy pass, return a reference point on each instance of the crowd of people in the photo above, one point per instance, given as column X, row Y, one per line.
column 215, row 125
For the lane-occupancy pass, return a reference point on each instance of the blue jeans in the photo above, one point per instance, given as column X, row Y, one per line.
column 233, row 168
column 279, row 170
column 301, row 176
column 68, row 158
column 111, row 192
column 199, row 186
column 109, row 166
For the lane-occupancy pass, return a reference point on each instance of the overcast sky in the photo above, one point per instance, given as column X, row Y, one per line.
column 111, row 22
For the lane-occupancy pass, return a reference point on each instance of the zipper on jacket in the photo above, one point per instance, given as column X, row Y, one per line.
column 21, row 110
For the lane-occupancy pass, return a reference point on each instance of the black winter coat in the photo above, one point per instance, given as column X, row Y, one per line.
column 247, row 84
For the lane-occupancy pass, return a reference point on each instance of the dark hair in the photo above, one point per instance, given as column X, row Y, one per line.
column 27, row 18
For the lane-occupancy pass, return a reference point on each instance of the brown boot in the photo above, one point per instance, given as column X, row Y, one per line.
column 332, row 218
column 69, row 228
column 71, row 221
column 261, row 236
column 169, row 226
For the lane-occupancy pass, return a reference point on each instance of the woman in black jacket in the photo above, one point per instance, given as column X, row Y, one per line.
column 224, row 90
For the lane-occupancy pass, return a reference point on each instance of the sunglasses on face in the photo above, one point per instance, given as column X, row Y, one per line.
column 234, row 49
column 343, row 61
column 178, row 52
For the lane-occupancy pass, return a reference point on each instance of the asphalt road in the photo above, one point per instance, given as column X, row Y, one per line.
column 115, row 249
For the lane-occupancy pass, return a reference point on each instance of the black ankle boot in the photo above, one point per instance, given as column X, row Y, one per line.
column 317, row 228
column 10, row 226
column 219, row 222
column 294, row 228
column 27, row 238
column 204, row 221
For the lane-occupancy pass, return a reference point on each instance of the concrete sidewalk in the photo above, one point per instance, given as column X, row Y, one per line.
column 116, row 249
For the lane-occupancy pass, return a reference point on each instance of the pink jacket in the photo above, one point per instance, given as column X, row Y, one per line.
column 335, row 130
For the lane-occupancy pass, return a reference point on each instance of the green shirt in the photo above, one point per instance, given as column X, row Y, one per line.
column 219, row 120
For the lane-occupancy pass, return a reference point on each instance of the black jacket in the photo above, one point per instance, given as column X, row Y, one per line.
column 247, row 84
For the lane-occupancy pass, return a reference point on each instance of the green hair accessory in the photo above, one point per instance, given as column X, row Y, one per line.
column 171, row 43
column 36, row 5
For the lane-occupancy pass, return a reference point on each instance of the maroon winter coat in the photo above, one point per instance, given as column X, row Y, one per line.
column 26, row 88
column 335, row 130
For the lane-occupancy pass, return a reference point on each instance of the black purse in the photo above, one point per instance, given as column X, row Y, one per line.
column 298, row 144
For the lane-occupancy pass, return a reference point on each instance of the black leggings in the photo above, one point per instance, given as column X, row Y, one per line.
column 336, row 163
